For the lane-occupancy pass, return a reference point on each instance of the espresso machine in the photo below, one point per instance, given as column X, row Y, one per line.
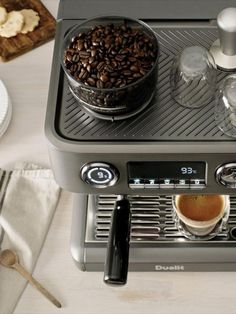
column 150, row 156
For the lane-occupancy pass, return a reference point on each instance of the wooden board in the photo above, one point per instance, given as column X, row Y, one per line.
column 21, row 43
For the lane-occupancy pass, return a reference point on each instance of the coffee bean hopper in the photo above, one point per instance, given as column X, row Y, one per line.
column 126, row 167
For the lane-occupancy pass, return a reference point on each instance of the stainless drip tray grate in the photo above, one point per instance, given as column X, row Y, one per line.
column 152, row 219
column 164, row 119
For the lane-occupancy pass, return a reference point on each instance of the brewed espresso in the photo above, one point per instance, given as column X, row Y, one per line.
column 200, row 207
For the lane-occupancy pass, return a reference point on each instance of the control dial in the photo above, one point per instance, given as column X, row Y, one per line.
column 99, row 174
column 226, row 175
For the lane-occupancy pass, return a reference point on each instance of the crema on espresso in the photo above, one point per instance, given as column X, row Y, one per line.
column 200, row 207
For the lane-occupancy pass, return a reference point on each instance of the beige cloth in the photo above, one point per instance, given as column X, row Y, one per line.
column 28, row 199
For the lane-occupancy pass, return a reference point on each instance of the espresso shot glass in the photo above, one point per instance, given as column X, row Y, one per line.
column 201, row 217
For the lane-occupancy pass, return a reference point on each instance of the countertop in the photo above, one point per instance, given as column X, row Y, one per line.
column 27, row 80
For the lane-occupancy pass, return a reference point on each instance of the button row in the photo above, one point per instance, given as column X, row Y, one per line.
column 167, row 184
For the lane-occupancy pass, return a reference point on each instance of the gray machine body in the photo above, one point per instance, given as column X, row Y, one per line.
column 163, row 132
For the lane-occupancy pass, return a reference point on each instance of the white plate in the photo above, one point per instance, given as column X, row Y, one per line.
column 5, row 109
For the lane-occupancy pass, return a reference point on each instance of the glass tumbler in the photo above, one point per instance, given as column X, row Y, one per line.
column 225, row 107
column 193, row 77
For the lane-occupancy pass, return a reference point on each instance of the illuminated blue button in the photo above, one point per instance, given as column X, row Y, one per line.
column 197, row 184
column 182, row 184
column 136, row 183
column 151, row 184
column 167, row 183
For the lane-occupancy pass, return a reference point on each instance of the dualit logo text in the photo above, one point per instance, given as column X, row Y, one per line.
column 169, row 268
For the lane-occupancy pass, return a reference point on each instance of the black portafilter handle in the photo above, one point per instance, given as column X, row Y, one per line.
column 117, row 260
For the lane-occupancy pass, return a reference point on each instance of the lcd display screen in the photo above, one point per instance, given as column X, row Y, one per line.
column 167, row 169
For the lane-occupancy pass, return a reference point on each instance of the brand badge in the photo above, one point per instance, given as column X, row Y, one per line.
column 169, row 267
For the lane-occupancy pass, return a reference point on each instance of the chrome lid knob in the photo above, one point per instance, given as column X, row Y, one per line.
column 226, row 21
column 224, row 48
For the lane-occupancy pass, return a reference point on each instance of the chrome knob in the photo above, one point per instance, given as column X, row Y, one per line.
column 99, row 174
column 226, row 175
column 226, row 21
column 224, row 48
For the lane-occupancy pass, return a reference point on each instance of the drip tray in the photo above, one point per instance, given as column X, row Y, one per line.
column 152, row 219
column 156, row 245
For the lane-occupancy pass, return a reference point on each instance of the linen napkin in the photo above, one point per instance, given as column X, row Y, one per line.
column 28, row 199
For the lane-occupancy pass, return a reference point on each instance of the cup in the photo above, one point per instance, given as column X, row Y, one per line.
column 193, row 77
column 201, row 216
column 225, row 107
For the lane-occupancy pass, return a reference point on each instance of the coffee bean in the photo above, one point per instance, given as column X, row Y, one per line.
column 84, row 54
column 122, row 84
column 82, row 73
column 109, row 68
column 85, row 75
column 137, row 75
column 90, row 60
column 80, row 44
column 118, row 82
column 107, row 45
column 95, row 43
column 108, row 85
column 75, row 57
column 114, row 74
column 104, row 78
column 73, row 68
column 84, row 63
column 118, row 40
column 68, row 57
column 81, row 35
column 119, row 57
column 113, row 52
column 132, row 59
column 88, row 68
column 91, row 81
column 114, row 63
column 93, row 53
column 143, row 71
column 94, row 64
column 101, row 66
column 127, row 73
column 69, row 54
column 134, row 68
column 123, row 64
column 124, row 52
column 99, row 84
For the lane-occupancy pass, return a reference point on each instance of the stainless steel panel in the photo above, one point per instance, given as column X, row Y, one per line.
column 152, row 220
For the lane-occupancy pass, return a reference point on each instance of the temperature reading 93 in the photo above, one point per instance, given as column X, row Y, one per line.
column 188, row 170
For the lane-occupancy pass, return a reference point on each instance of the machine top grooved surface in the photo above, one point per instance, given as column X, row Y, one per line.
column 163, row 119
